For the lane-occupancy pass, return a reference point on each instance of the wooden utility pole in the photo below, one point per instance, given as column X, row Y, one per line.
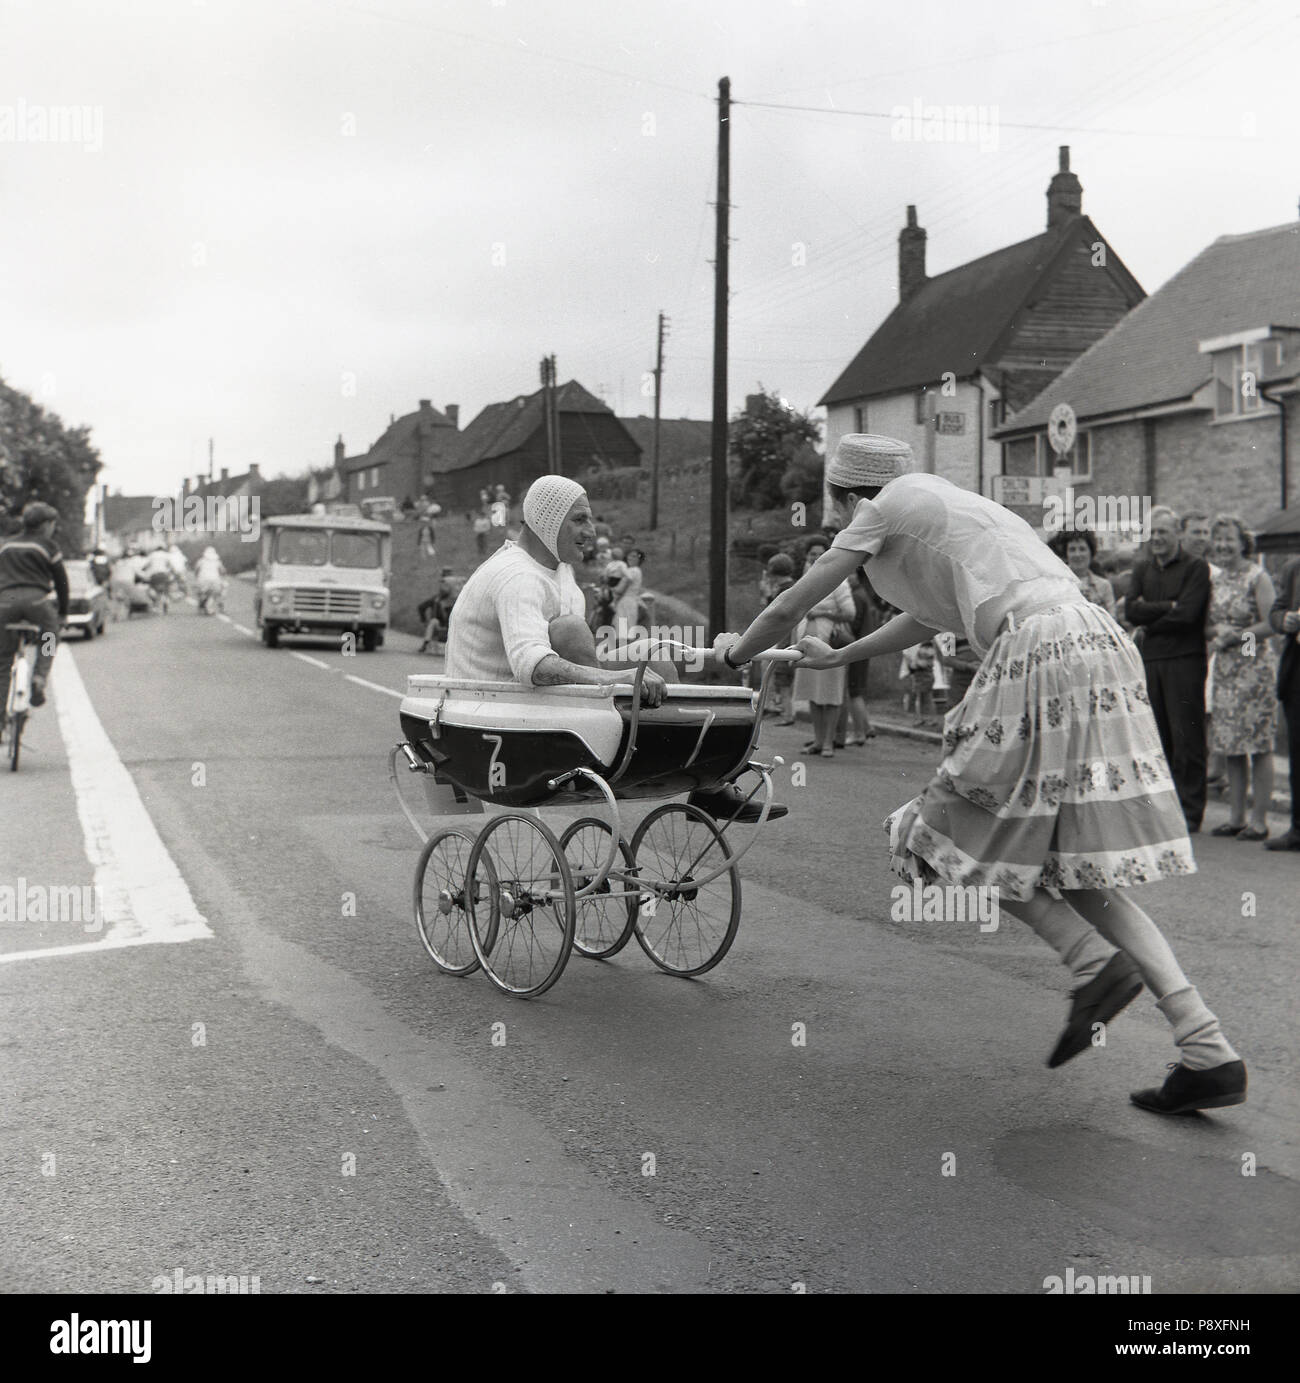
column 718, row 469
column 654, row 456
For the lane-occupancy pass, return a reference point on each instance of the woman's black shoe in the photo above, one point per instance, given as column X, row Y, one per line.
column 1114, row 987
column 1186, row 1090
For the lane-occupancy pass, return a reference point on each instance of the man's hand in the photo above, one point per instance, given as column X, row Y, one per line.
column 1291, row 622
column 723, row 643
column 653, row 689
column 817, row 654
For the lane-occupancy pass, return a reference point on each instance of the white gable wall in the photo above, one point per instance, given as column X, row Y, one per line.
column 955, row 457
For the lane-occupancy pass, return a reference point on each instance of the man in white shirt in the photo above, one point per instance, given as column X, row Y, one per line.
column 520, row 618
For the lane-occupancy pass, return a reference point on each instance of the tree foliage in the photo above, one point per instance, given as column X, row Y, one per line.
column 42, row 459
column 766, row 439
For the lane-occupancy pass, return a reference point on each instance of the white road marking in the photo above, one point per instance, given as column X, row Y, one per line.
column 315, row 662
column 224, row 617
column 244, row 630
column 145, row 899
column 374, row 686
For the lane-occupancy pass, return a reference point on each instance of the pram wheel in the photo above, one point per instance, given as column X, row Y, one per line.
column 605, row 919
column 687, row 924
column 521, row 907
column 441, row 906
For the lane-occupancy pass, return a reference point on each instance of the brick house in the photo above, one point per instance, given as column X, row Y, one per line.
column 403, row 463
column 1190, row 400
column 964, row 349
column 506, row 445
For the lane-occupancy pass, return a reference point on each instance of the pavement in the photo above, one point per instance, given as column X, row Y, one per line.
column 248, row 1066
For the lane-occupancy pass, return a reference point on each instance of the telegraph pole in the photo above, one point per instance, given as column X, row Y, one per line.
column 654, row 463
column 718, row 469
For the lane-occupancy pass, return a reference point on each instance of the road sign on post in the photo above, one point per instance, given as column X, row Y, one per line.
column 1061, row 427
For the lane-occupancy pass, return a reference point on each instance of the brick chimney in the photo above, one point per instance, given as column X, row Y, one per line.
column 425, row 405
column 339, row 453
column 452, row 410
column 253, row 472
column 225, row 473
column 911, row 257
column 1064, row 193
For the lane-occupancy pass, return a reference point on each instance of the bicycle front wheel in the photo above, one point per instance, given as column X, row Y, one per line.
column 519, row 889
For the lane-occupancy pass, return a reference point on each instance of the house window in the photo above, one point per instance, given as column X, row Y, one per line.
column 1078, row 458
column 860, row 418
column 921, row 410
column 361, row 480
column 1237, row 372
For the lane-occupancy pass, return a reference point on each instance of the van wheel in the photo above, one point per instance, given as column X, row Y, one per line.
column 270, row 636
column 371, row 639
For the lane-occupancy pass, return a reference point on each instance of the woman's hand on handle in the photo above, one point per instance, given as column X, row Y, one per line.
column 817, row 654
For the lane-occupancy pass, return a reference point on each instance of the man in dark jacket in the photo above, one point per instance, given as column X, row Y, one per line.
column 1285, row 618
column 1169, row 595
column 33, row 589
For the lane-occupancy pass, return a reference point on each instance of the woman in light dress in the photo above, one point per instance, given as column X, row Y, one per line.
column 1053, row 787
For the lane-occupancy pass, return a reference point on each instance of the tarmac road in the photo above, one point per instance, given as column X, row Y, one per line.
column 301, row 1096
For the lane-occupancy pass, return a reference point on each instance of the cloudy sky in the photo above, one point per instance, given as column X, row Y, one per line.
column 276, row 221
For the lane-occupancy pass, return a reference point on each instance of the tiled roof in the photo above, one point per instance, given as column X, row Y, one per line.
column 1151, row 356
column 956, row 321
column 230, row 485
column 680, row 439
column 505, row 427
column 397, row 437
column 128, row 513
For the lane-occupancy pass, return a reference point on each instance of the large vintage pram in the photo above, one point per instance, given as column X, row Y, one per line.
column 516, row 899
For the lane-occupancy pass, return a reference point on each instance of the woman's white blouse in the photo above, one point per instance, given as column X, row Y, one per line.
column 953, row 559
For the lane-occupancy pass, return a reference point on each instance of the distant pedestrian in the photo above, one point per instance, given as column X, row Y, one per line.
column 1243, row 726
column 1285, row 619
column 1169, row 594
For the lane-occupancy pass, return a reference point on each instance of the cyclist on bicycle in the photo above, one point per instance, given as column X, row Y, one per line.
column 33, row 589
column 209, row 575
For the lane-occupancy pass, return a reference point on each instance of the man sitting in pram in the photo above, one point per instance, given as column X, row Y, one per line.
column 520, row 618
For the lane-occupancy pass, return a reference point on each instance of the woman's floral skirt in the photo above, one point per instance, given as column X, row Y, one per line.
column 1053, row 775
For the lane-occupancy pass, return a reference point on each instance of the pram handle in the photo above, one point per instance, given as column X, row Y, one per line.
column 640, row 648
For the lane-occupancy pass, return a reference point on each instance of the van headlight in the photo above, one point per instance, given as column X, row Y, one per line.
column 275, row 598
column 378, row 602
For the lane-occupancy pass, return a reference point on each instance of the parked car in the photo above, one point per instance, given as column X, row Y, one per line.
column 87, row 601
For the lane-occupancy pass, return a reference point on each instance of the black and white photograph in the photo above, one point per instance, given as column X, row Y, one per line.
column 649, row 649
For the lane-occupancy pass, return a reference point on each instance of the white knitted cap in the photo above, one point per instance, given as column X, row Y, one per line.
column 547, row 504
column 864, row 459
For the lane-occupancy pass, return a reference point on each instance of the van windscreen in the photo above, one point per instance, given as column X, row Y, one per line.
column 356, row 550
column 304, row 547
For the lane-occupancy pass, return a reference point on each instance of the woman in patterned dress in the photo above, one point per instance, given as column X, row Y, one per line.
column 1243, row 724
column 1053, row 788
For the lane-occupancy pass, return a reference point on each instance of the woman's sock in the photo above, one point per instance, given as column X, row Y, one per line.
column 1200, row 1039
